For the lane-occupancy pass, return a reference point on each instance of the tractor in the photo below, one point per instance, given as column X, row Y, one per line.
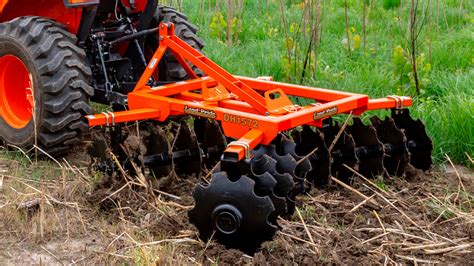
column 144, row 61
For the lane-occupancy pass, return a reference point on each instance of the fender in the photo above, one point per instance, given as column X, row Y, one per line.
column 67, row 12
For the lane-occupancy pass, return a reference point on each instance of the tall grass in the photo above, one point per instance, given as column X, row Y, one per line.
column 450, row 124
column 446, row 42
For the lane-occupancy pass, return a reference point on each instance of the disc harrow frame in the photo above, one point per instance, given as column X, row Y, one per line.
column 281, row 149
column 252, row 110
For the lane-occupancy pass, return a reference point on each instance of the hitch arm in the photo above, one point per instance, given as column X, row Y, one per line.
column 185, row 52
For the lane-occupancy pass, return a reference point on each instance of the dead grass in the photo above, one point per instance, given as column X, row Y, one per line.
column 60, row 213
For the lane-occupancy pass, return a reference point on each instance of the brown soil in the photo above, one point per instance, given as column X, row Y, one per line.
column 80, row 219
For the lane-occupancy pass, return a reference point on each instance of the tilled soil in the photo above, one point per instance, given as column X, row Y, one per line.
column 82, row 219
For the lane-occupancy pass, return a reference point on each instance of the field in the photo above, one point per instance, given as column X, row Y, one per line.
column 62, row 212
column 63, row 215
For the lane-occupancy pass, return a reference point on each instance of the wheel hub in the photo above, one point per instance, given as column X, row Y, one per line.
column 226, row 219
column 16, row 92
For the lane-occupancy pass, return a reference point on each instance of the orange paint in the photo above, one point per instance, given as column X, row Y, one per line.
column 16, row 92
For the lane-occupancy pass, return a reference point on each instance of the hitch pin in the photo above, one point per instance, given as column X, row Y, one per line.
column 399, row 101
column 109, row 115
column 113, row 117
column 106, row 118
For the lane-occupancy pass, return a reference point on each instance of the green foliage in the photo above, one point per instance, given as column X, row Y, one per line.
column 290, row 3
column 389, row 4
column 354, row 40
column 403, row 72
column 381, row 184
column 218, row 26
column 440, row 209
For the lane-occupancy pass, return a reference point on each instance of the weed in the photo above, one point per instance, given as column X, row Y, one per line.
column 340, row 227
column 16, row 156
column 440, row 210
column 381, row 184
column 308, row 213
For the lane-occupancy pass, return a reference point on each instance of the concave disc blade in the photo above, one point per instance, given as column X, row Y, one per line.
column 253, row 212
column 99, row 148
column 283, row 169
column 269, row 183
column 284, row 181
column 369, row 150
column 419, row 143
column 264, row 186
column 394, row 141
column 286, row 148
column 309, row 141
column 186, row 153
column 158, row 148
column 342, row 153
column 99, row 151
column 212, row 140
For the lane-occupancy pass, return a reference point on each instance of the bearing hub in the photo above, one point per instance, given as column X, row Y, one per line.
column 226, row 219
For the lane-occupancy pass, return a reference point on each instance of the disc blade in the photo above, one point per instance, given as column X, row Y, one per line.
column 310, row 142
column 265, row 185
column 342, row 153
column 200, row 129
column 157, row 145
column 99, row 146
column 264, row 181
column 99, row 151
column 186, row 153
column 369, row 150
column 286, row 171
column 253, row 211
column 286, row 147
column 212, row 140
column 394, row 141
column 419, row 143
column 271, row 183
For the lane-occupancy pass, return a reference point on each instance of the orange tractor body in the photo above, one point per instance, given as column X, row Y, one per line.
column 53, row 9
column 67, row 12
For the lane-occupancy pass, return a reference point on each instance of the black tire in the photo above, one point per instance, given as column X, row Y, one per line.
column 61, row 83
column 169, row 68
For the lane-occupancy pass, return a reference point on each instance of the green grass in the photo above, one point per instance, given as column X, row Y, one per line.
column 446, row 104
column 381, row 184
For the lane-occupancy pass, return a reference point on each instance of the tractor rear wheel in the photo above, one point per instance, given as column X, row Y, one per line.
column 169, row 68
column 44, row 85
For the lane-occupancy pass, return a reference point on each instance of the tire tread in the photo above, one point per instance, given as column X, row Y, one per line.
column 64, row 78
